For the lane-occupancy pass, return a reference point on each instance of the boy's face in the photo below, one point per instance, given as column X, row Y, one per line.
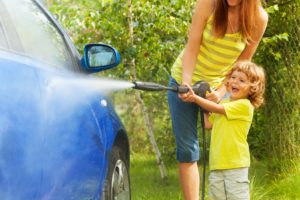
column 239, row 85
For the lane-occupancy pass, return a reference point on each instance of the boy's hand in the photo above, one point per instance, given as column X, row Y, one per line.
column 189, row 96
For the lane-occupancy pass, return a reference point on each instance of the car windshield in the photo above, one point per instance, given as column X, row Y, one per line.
column 25, row 29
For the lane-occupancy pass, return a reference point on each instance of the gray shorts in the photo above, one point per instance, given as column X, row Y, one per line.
column 229, row 184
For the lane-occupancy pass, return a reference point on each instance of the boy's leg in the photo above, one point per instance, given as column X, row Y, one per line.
column 216, row 185
column 237, row 184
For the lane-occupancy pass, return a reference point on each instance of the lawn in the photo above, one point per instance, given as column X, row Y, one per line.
column 146, row 183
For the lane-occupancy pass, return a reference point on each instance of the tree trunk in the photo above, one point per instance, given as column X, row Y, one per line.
column 148, row 124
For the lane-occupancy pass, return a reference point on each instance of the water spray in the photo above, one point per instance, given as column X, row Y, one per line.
column 200, row 88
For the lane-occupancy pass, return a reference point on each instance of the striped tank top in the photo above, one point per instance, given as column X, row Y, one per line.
column 215, row 58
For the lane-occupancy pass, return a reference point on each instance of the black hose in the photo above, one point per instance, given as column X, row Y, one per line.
column 204, row 152
column 201, row 88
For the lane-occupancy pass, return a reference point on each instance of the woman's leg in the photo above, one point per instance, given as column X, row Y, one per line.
column 189, row 179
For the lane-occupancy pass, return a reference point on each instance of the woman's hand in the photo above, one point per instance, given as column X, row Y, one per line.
column 214, row 96
column 217, row 95
column 190, row 96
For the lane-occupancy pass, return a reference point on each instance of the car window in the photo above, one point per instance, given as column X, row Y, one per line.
column 38, row 36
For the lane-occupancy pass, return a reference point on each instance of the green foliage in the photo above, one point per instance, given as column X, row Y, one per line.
column 279, row 53
column 257, row 136
column 270, row 43
column 272, row 9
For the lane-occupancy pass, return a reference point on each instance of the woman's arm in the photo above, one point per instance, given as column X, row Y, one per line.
column 203, row 10
column 261, row 24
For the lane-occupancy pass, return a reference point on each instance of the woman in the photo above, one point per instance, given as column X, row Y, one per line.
column 222, row 32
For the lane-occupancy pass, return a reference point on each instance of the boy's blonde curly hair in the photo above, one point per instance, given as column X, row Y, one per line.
column 256, row 76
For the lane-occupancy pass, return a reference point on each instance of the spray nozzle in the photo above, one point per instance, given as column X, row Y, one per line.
column 200, row 88
column 148, row 86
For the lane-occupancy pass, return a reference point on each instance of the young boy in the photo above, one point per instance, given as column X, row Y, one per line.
column 230, row 121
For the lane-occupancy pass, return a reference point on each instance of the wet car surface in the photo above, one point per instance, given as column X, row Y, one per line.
column 57, row 140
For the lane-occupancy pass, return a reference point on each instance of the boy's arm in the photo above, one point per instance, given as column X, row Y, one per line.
column 208, row 105
column 204, row 103
column 208, row 125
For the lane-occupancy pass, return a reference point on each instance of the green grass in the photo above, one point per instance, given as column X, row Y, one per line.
column 271, row 186
column 146, row 183
column 286, row 185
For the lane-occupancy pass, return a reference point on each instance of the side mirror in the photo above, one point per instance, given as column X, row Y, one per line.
column 99, row 57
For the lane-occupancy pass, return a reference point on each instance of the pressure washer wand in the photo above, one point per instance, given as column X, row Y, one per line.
column 199, row 88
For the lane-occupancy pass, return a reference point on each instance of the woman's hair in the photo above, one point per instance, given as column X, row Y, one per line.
column 256, row 77
column 248, row 14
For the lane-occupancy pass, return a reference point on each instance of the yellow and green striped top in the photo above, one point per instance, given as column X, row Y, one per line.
column 215, row 58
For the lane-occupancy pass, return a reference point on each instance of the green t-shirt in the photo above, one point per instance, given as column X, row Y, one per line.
column 228, row 147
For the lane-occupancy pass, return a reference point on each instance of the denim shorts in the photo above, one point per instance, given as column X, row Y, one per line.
column 184, row 122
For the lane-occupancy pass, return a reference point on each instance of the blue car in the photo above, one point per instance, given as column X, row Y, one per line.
column 60, row 138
